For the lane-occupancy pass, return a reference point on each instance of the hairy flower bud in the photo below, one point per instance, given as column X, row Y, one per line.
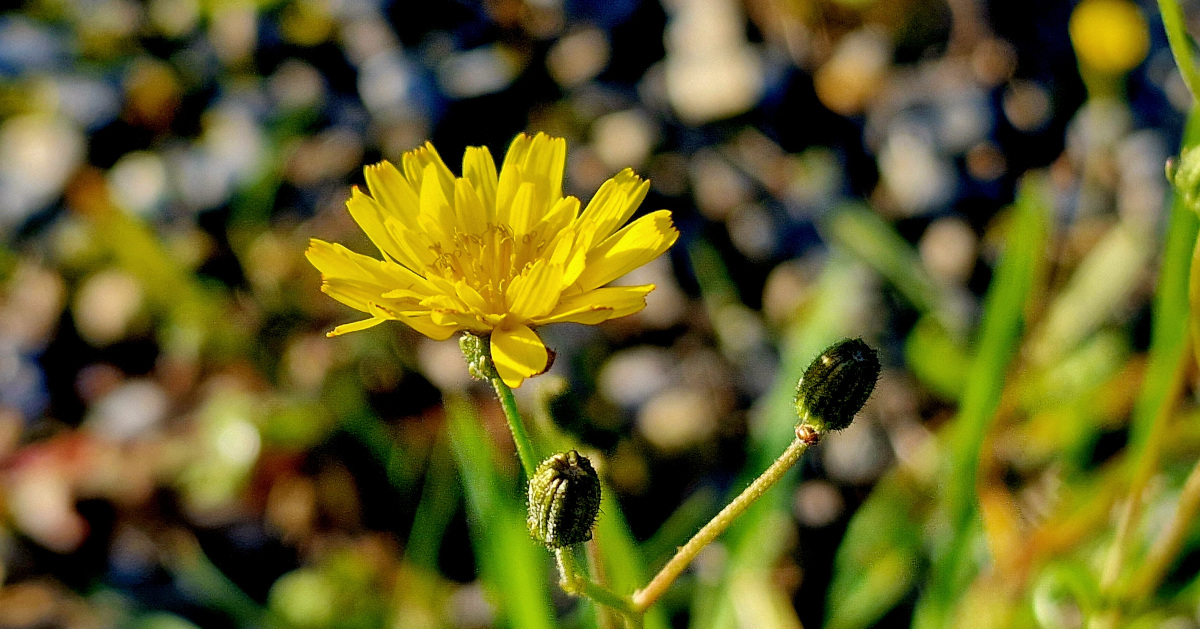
column 1184, row 173
column 479, row 362
column 564, row 500
column 836, row 385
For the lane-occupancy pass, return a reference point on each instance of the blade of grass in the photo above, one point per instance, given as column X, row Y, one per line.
column 1170, row 314
column 625, row 569
column 687, row 518
column 1164, row 376
column 196, row 575
column 439, row 497
column 879, row 559
column 1180, row 42
column 863, row 233
column 999, row 336
column 514, row 567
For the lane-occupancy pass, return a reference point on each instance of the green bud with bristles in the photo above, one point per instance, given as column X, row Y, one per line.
column 564, row 500
column 1184, row 173
column 836, row 385
column 476, row 351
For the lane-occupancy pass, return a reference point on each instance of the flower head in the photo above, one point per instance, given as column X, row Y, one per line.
column 1109, row 35
column 492, row 253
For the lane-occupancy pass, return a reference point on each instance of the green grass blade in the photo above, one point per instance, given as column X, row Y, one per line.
column 1170, row 318
column 879, row 559
column 863, row 233
column 439, row 498
column 514, row 567
column 625, row 569
column 999, row 337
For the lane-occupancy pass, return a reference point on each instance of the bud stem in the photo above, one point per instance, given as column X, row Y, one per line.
column 645, row 597
column 577, row 584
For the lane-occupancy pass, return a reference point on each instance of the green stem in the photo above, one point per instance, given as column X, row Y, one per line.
column 568, row 571
column 525, row 451
column 575, row 583
column 1180, row 42
column 646, row 596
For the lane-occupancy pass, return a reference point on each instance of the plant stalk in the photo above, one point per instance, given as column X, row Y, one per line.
column 516, row 424
column 646, row 596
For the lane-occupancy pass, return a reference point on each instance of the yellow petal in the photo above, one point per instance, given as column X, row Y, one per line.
column 470, row 210
column 510, row 176
column 615, row 201
column 535, row 291
column 371, row 217
column 521, row 213
column 437, row 216
column 543, row 167
column 471, row 297
column 480, row 170
column 583, row 234
column 416, row 163
column 419, row 321
column 359, row 295
column 356, row 326
column 353, row 294
column 458, row 320
column 415, row 244
column 559, row 217
column 336, row 261
column 638, row 243
column 401, row 295
column 598, row 305
column 518, row 353
column 393, row 192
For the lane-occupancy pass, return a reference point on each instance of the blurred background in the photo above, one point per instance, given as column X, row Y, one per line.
column 180, row 445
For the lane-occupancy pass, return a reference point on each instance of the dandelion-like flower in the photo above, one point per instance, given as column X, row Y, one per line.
column 492, row 253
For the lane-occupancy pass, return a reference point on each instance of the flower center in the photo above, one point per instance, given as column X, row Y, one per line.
column 488, row 261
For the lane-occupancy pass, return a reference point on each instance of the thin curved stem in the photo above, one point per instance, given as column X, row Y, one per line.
column 576, row 583
column 516, row 424
column 645, row 597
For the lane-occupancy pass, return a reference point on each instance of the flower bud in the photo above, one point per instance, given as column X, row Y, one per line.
column 1184, row 173
column 564, row 500
column 836, row 385
column 478, row 355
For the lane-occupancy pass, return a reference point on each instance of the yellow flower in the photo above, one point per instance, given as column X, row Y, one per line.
column 492, row 254
column 1109, row 35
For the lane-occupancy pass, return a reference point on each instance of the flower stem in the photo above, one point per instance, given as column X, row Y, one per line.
column 645, row 597
column 525, row 451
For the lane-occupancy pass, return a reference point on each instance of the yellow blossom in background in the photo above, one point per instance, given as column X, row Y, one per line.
column 1109, row 35
column 492, row 253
